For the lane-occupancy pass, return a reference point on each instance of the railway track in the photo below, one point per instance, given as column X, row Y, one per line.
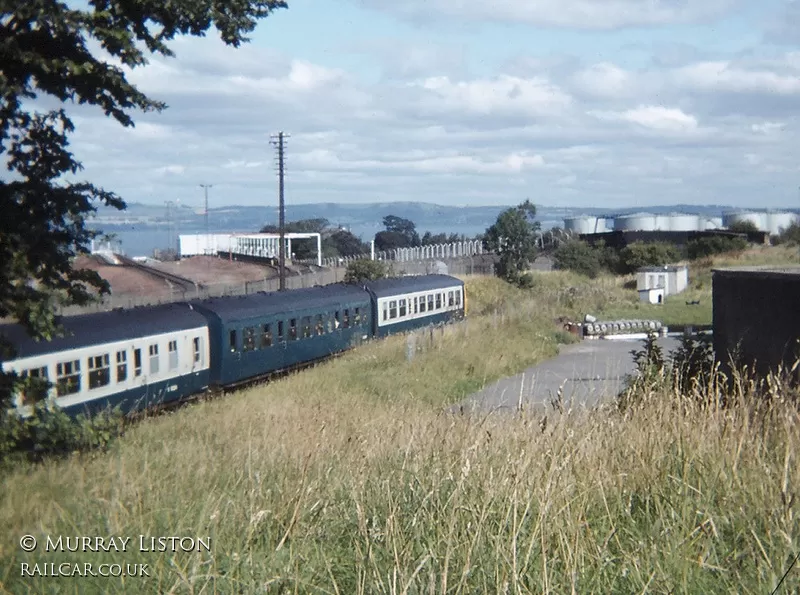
column 183, row 284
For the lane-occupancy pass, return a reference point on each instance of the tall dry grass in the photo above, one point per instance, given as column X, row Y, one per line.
column 349, row 478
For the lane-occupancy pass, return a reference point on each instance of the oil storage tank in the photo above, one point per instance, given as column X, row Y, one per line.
column 684, row 222
column 757, row 218
column 635, row 222
column 585, row 224
column 778, row 221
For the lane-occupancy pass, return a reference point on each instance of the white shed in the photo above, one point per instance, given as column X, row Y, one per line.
column 652, row 296
column 672, row 279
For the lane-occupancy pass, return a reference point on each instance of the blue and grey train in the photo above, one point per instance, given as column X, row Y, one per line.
column 155, row 355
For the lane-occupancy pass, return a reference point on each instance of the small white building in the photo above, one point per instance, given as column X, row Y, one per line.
column 652, row 296
column 656, row 283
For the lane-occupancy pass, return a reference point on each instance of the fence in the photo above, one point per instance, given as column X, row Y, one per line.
column 461, row 266
column 464, row 249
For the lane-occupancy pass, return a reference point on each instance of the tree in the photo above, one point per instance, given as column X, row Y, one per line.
column 391, row 240
column 359, row 271
column 306, row 248
column 44, row 52
column 404, row 227
column 652, row 254
column 743, row 227
column 715, row 244
column 346, row 243
column 578, row 256
column 513, row 237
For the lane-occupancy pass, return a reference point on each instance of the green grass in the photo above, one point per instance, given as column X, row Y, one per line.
column 350, row 478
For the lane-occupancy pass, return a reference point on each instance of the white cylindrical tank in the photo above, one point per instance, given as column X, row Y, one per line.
column 757, row 218
column 582, row 224
column 711, row 223
column 778, row 221
column 684, row 222
column 662, row 223
column 636, row 222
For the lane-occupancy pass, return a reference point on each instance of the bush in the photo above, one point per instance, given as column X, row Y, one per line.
column 578, row 256
column 50, row 431
column 638, row 254
column 359, row 271
column 709, row 246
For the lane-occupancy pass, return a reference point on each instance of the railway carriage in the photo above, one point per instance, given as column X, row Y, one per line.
column 257, row 334
column 407, row 303
column 134, row 359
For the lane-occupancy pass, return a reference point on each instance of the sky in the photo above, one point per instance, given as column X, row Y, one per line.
column 568, row 103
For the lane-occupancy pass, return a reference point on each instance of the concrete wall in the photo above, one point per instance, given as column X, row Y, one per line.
column 757, row 310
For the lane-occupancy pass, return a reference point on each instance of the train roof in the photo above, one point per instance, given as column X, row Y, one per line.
column 400, row 285
column 86, row 330
column 255, row 305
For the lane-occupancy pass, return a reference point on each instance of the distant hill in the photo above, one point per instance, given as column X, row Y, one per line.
column 361, row 219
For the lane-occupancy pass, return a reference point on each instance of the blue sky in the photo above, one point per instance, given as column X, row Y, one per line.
column 567, row 102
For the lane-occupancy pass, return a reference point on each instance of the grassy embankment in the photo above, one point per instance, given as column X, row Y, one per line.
column 348, row 478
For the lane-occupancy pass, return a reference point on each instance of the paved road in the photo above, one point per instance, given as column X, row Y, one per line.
column 587, row 372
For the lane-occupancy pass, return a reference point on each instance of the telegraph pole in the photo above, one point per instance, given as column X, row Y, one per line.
column 279, row 141
column 205, row 188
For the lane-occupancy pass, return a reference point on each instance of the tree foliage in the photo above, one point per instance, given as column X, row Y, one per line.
column 789, row 236
column 743, row 227
column 638, row 254
column 399, row 233
column 513, row 238
column 715, row 244
column 578, row 256
column 362, row 270
column 44, row 52
column 335, row 242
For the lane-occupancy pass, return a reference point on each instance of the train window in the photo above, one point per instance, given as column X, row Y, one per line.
column 196, row 349
column 173, row 355
column 422, row 303
column 280, row 331
column 329, row 320
column 336, row 323
column 416, row 305
column 450, row 299
column 402, row 308
column 232, row 340
column 68, row 378
column 122, row 366
column 154, row 359
column 346, row 319
column 99, row 371
column 35, row 385
column 458, row 297
column 266, row 336
column 319, row 327
column 249, row 339
column 393, row 309
column 385, row 310
column 293, row 329
column 137, row 362
column 430, row 302
column 306, row 323
column 438, row 301
column 357, row 317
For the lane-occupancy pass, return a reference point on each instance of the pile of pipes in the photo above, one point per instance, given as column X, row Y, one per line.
column 594, row 329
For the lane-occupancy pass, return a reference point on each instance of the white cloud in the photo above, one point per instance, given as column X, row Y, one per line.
column 503, row 95
column 722, row 76
column 652, row 117
column 557, row 129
